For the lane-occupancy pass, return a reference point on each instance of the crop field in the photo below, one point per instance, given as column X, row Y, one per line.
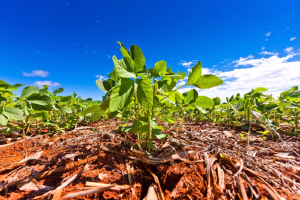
column 146, row 140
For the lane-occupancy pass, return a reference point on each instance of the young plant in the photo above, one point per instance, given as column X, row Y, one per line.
column 131, row 84
column 8, row 112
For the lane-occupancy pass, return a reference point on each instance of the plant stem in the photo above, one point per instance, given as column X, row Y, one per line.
column 150, row 130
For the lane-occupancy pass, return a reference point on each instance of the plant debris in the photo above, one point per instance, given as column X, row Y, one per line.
column 212, row 165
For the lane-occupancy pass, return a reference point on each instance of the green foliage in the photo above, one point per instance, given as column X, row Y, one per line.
column 40, row 108
column 135, row 92
column 121, row 96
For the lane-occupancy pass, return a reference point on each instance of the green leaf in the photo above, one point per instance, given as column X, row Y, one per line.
column 67, row 110
column 127, row 128
column 18, row 85
column 271, row 106
column 105, row 104
column 97, row 115
column 169, row 120
column 217, row 100
column 29, row 90
column 66, row 98
column 37, row 107
column 103, row 85
column 3, row 120
column 294, row 94
column 195, row 74
column 13, row 113
column 38, row 99
column 86, row 101
column 208, row 81
column 114, row 114
column 169, row 71
column 124, row 70
column 2, row 98
column 144, row 93
column 139, row 129
column 159, row 69
column 181, row 75
column 260, row 89
column 57, row 91
column 159, row 135
column 44, row 91
column 124, row 51
column 138, row 57
column 114, row 75
column 122, row 95
column 171, row 82
column 91, row 109
column 129, row 62
column 162, row 86
column 283, row 94
column 191, row 96
column 7, row 87
column 175, row 97
column 204, row 102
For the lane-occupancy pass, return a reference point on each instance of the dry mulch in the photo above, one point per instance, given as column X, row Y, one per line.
column 197, row 161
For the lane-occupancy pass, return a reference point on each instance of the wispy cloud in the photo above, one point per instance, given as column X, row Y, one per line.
column 49, row 83
column 101, row 77
column 207, row 71
column 293, row 38
column 275, row 72
column 37, row 73
column 268, row 34
column 288, row 50
column 242, row 59
column 267, row 53
column 187, row 64
column 263, row 52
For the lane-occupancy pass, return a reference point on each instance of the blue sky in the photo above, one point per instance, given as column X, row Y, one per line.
column 69, row 44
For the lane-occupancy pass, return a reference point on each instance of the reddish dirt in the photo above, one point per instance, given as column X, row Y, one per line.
column 183, row 178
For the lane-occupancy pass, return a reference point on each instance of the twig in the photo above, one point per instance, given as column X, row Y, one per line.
column 157, row 183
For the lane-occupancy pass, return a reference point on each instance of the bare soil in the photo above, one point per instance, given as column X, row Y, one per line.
column 197, row 161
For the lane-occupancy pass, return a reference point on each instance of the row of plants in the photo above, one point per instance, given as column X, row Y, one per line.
column 142, row 97
column 39, row 109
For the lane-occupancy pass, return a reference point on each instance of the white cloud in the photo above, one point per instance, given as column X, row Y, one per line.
column 288, row 50
column 293, row 38
column 187, row 64
column 268, row 34
column 268, row 53
column 243, row 59
column 263, row 52
column 101, row 77
column 49, row 83
column 34, row 73
column 206, row 71
column 180, row 83
column 276, row 73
